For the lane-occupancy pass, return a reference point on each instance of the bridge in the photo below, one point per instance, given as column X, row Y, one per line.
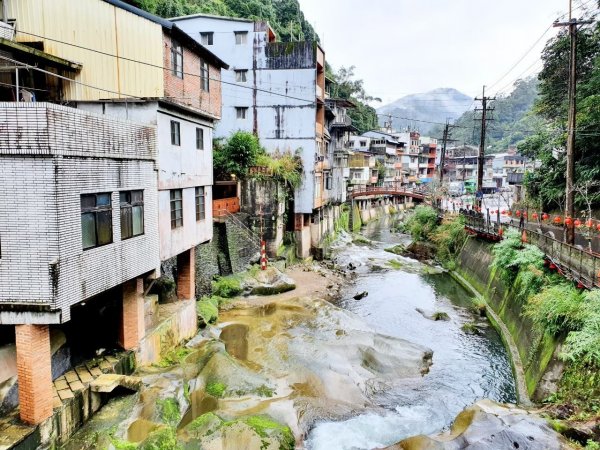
column 398, row 191
column 573, row 262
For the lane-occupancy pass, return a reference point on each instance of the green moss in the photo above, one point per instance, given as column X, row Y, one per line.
column 395, row 264
column 205, row 425
column 163, row 438
column 356, row 220
column 173, row 357
column 360, row 240
column 208, row 310
column 227, row 287
column 265, row 391
column 396, row 250
column 264, row 426
column 169, row 411
column 440, row 315
column 216, row 389
column 121, row 444
column 470, row 328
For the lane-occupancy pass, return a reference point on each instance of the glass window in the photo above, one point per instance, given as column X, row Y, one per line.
column 204, row 76
column 132, row 213
column 241, row 37
column 200, row 204
column 175, row 133
column 241, row 112
column 241, row 76
column 96, row 220
column 199, row 139
column 176, row 208
column 176, row 59
column 207, row 38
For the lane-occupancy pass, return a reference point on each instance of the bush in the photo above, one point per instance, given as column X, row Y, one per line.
column 422, row 223
column 511, row 255
column 449, row 238
column 285, row 166
column 556, row 309
column 236, row 155
column 208, row 309
column 227, row 287
column 583, row 345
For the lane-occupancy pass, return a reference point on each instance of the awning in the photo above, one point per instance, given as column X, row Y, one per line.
column 21, row 49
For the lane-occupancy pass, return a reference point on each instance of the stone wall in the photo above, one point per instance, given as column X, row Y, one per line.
column 538, row 354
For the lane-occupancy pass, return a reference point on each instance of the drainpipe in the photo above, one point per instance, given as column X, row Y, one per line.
column 5, row 11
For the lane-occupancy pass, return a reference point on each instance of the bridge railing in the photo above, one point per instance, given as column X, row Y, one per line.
column 382, row 190
column 574, row 262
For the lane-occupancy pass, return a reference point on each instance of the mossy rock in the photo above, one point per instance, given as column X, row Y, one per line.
column 440, row 315
column 208, row 310
column 273, row 290
column 163, row 438
column 396, row 250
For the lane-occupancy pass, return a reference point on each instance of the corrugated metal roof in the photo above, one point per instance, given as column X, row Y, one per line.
column 176, row 32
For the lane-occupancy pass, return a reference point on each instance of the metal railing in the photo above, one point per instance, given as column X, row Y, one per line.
column 581, row 265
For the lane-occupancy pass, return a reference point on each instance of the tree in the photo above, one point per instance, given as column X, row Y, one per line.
column 364, row 116
column 236, row 155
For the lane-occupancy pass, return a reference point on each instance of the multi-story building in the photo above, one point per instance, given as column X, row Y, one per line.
column 390, row 151
column 427, row 159
column 508, row 168
column 115, row 186
column 277, row 91
column 339, row 127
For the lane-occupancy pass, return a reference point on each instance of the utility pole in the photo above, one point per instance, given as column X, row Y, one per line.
column 481, row 159
column 445, row 140
column 572, row 119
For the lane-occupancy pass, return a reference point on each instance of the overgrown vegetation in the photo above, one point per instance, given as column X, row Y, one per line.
column 448, row 236
column 511, row 256
column 558, row 309
column 236, row 155
column 227, row 287
column 285, row 167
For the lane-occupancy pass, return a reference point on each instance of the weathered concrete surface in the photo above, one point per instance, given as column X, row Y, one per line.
column 487, row 425
column 109, row 382
column 539, row 357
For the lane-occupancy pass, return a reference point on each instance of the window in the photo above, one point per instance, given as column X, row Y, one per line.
column 207, row 38
column 176, row 208
column 96, row 220
column 176, row 59
column 328, row 181
column 204, row 76
column 175, row 133
column 241, row 112
column 199, row 139
column 132, row 213
column 241, row 76
column 241, row 37
column 200, row 204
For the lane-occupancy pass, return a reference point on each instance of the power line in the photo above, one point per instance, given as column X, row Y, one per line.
column 310, row 102
column 416, row 120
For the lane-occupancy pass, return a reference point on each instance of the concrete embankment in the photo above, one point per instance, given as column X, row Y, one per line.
column 536, row 353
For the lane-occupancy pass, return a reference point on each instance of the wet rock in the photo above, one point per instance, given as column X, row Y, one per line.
column 210, row 432
column 491, row 426
column 108, row 382
column 360, row 295
column 421, row 251
column 438, row 315
column 268, row 282
column 351, row 266
column 396, row 250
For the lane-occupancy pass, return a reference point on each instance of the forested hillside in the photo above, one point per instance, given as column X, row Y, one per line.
column 512, row 121
column 285, row 16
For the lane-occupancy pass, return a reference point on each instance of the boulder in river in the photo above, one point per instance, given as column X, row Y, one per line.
column 360, row 295
column 421, row 251
column 491, row 426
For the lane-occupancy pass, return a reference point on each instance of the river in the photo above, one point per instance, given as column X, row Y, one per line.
column 466, row 367
column 355, row 375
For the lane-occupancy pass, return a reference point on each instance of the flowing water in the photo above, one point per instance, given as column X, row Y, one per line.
column 358, row 375
column 466, row 367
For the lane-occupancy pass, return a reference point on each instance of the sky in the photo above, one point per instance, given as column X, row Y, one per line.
column 401, row 47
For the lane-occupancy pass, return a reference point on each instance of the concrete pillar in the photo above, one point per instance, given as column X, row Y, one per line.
column 133, row 325
column 186, row 275
column 34, row 372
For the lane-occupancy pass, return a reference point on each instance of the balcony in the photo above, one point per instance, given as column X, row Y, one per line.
column 319, row 92
column 224, row 206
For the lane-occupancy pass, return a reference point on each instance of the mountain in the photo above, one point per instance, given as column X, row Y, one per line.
column 513, row 119
column 433, row 106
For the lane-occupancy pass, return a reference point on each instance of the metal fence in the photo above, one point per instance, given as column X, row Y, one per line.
column 581, row 265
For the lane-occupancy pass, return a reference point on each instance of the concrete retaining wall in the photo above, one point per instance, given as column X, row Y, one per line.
column 538, row 353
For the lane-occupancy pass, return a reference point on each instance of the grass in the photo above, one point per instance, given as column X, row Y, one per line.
column 173, row 357
column 440, row 315
column 395, row 264
column 396, row 250
column 208, row 309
